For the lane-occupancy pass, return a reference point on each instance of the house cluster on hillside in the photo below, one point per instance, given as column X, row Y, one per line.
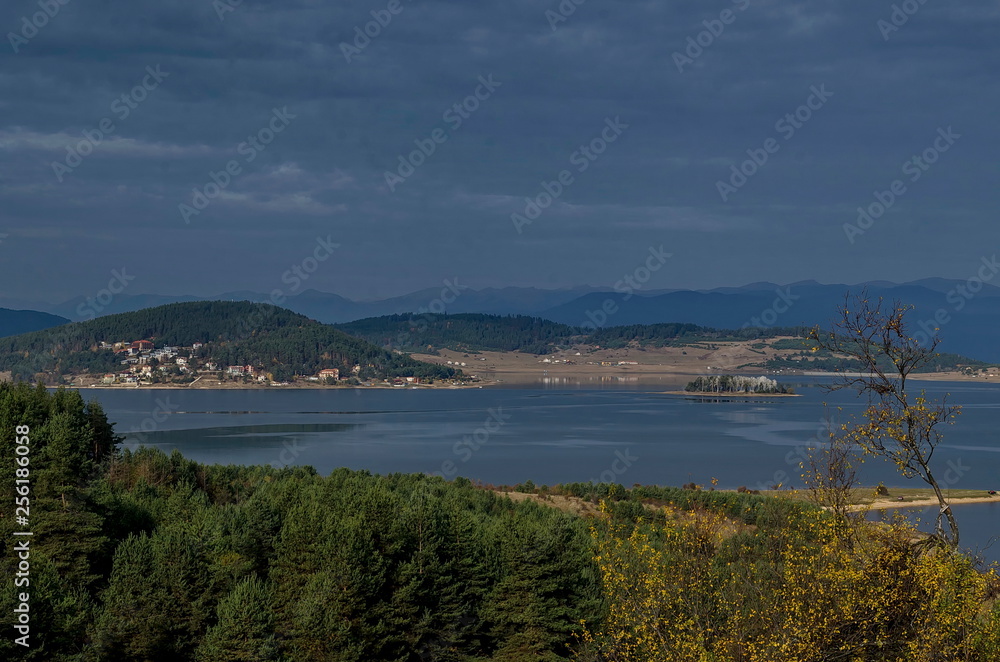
column 242, row 371
column 145, row 362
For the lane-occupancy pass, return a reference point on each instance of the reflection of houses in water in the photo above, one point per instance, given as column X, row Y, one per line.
column 578, row 381
column 606, row 379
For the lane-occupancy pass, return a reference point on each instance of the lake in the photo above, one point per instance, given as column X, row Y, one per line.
column 549, row 433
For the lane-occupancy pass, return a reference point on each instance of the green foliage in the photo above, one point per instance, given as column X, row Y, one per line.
column 804, row 344
column 244, row 631
column 158, row 601
column 695, row 585
column 71, row 444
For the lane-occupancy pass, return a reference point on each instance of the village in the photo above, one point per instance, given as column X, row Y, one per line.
column 146, row 364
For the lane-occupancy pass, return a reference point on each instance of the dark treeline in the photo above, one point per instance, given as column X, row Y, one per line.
column 826, row 361
column 462, row 332
column 660, row 335
column 236, row 333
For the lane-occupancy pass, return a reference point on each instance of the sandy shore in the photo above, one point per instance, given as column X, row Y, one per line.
column 889, row 503
column 993, row 377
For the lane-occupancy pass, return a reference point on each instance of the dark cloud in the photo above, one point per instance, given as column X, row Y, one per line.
column 324, row 173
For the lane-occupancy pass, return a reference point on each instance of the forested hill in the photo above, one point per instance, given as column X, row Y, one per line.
column 234, row 333
column 462, row 332
column 13, row 322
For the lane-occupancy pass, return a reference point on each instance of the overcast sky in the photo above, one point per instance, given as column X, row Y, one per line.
column 184, row 85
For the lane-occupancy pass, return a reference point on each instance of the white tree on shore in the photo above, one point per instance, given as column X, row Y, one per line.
column 735, row 384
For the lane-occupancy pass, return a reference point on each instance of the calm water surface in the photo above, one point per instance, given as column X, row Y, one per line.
column 628, row 433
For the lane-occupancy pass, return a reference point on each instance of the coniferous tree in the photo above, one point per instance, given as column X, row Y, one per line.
column 245, row 628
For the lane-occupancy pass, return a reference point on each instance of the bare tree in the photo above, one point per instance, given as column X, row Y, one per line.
column 897, row 425
column 830, row 474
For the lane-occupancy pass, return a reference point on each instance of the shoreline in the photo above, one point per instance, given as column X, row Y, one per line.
column 262, row 387
column 526, row 379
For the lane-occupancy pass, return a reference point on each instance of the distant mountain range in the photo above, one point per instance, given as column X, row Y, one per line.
column 972, row 318
column 970, row 326
column 333, row 308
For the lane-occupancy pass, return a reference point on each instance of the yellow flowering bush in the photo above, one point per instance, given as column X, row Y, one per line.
column 695, row 587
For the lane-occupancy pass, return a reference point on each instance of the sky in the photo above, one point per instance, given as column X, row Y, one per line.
column 383, row 146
